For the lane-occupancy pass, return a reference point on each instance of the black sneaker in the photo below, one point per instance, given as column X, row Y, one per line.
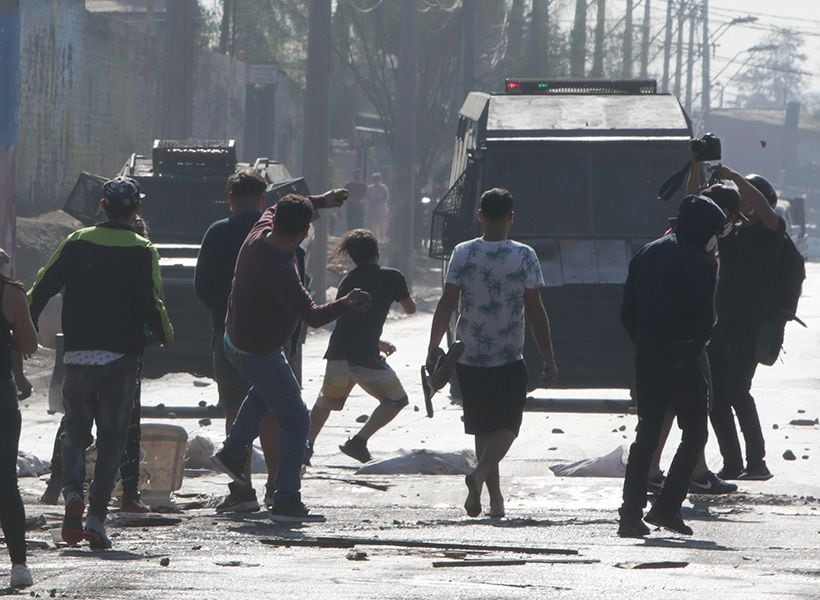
column 308, row 455
column 356, row 448
column 292, row 510
column 631, row 526
column 654, row 484
column 756, row 472
column 712, row 485
column 239, row 501
column 729, row 473
column 232, row 467
column 667, row 520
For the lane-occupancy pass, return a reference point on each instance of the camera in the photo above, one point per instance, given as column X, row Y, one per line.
column 706, row 149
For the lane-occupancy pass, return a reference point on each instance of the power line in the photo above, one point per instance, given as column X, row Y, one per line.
column 364, row 10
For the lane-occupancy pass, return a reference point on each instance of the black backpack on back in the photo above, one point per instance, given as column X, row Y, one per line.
column 791, row 271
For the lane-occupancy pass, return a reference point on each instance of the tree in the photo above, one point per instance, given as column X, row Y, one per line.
column 266, row 31
column 774, row 76
column 370, row 51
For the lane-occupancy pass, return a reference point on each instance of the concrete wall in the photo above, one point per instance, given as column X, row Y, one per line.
column 219, row 98
column 91, row 93
column 9, row 76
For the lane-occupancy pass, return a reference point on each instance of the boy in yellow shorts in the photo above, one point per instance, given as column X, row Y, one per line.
column 356, row 354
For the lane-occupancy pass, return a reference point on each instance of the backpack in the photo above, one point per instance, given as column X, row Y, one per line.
column 791, row 271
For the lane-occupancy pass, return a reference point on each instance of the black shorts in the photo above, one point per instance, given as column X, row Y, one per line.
column 493, row 397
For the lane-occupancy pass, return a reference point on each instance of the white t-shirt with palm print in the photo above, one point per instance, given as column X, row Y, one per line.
column 492, row 277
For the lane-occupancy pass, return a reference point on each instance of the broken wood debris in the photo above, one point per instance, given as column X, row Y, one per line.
column 350, row 542
column 144, row 521
column 665, row 564
column 368, row 484
column 508, row 562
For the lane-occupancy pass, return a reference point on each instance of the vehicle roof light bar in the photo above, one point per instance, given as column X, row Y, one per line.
column 596, row 87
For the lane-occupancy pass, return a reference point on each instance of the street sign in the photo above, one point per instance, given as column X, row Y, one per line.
column 262, row 74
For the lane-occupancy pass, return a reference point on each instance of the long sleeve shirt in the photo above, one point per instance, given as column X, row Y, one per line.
column 268, row 299
column 112, row 288
column 217, row 259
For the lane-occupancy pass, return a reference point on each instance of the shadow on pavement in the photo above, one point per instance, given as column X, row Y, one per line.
column 515, row 522
column 107, row 554
column 686, row 543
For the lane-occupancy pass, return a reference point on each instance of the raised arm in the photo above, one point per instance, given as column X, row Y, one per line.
column 751, row 199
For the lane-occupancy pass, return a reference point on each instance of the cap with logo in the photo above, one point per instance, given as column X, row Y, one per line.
column 121, row 190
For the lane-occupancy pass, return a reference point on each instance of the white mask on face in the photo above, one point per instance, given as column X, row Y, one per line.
column 711, row 245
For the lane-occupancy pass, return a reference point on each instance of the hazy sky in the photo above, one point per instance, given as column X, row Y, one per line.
column 803, row 15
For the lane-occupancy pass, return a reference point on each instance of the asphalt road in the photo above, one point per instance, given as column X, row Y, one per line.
column 762, row 542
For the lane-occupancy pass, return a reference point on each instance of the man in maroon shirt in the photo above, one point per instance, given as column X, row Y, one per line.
column 266, row 303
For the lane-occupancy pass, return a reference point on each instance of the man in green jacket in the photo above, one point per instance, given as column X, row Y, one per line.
column 112, row 310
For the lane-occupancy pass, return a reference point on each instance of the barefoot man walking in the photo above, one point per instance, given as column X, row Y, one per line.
column 494, row 282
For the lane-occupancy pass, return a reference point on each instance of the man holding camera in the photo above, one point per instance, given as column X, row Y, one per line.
column 746, row 291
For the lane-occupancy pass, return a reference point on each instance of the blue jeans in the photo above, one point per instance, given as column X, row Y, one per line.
column 273, row 388
column 105, row 395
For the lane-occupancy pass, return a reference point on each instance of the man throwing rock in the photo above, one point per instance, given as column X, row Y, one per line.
column 266, row 303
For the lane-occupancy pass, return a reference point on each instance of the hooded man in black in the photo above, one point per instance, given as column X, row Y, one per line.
column 668, row 311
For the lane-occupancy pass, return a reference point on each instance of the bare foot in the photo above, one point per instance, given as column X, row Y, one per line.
column 473, row 502
column 496, row 508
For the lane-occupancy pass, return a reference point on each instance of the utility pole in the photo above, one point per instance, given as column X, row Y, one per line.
column 578, row 40
column 514, row 38
column 179, row 81
column 627, row 68
column 315, row 163
column 600, row 30
column 647, row 14
column 667, row 47
column 404, row 190
column 690, row 62
column 706, row 92
column 225, row 26
column 468, row 24
column 538, row 40
column 150, row 19
column 9, row 115
column 679, row 57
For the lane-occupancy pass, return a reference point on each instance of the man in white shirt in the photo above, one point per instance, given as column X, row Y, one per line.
column 494, row 282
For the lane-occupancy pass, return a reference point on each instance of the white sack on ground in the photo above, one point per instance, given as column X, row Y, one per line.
column 422, row 462
column 29, row 465
column 610, row 465
column 200, row 448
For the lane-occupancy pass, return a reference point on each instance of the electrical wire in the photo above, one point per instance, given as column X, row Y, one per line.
column 365, row 10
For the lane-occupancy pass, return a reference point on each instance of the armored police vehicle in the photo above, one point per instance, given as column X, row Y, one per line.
column 584, row 160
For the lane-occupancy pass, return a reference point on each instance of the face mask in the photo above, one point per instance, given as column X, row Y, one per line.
column 711, row 244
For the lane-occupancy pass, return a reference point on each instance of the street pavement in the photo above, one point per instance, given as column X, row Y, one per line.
column 762, row 542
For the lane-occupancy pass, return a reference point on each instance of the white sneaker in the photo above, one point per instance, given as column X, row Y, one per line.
column 20, row 576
